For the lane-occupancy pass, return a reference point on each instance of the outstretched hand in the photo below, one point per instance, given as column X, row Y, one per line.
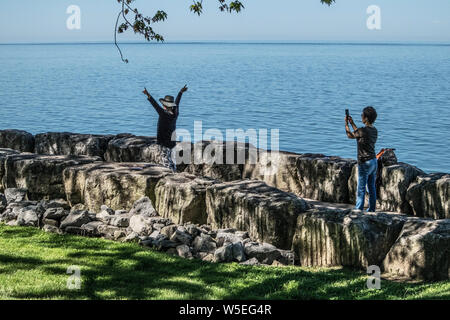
column 146, row 92
column 184, row 89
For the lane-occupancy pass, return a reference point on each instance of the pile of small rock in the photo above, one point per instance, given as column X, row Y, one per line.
column 141, row 224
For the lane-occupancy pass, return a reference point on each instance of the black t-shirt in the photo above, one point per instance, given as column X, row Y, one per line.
column 366, row 138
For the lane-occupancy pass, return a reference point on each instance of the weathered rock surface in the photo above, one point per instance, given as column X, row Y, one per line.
column 268, row 214
column 16, row 195
column 277, row 169
column 126, row 147
column 326, row 238
column 422, row 251
column 17, row 139
column 392, row 192
column 429, row 196
column 220, row 160
column 182, row 198
column 41, row 175
column 144, row 207
column 67, row 143
column 56, row 213
column 118, row 185
column 324, row 178
column 3, row 155
column 262, row 252
column 313, row 176
column 76, row 219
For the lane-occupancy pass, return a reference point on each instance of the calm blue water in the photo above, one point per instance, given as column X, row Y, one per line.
column 302, row 89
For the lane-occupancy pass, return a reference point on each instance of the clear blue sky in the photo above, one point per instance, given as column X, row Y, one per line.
column 295, row 20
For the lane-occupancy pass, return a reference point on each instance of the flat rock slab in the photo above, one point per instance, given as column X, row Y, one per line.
column 17, row 139
column 421, row 252
column 324, row 178
column 67, row 143
column 429, row 196
column 219, row 160
column 126, row 147
column 277, row 169
column 182, row 198
column 313, row 176
column 267, row 213
column 117, row 185
column 41, row 175
column 326, row 238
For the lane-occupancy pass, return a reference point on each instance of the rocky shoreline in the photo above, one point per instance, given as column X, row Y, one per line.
column 103, row 179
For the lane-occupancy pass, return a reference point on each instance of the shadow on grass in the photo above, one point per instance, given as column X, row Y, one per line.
column 127, row 271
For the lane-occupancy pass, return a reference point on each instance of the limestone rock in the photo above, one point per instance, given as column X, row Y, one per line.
column 324, row 178
column 184, row 251
column 144, row 207
column 40, row 174
column 204, row 243
column 251, row 262
column 126, row 147
column 182, row 236
column 265, row 253
column 67, row 143
column 50, row 222
column 91, row 228
column 182, row 197
column 224, row 254
column 52, row 229
column 277, row 169
column 17, row 140
column 238, row 252
column 28, row 217
column 422, row 251
column 169, row 230
column 4, row 153
column 140, row 224
column 429, row 196
column 56, row 214
column 76, row 219
column 15, row 194
column 121, row 184
column 268, row 214
column 3, row 203
column 121, row 221
column 326, row 238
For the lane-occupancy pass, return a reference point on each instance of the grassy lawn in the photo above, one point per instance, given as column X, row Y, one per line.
column 33, row 265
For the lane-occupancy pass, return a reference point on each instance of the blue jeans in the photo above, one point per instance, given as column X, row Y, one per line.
column 367, row 174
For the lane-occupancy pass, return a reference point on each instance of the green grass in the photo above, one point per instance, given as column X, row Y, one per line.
column 33, row 265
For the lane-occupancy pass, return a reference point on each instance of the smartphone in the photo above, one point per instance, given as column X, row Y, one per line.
column 347, row 113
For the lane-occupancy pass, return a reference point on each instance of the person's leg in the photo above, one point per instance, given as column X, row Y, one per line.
column 361, row 189
column 371, row 179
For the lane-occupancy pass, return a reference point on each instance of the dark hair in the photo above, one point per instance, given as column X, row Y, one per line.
column 370, row 113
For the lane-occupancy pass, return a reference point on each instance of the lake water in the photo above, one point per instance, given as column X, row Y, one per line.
column 300, row 89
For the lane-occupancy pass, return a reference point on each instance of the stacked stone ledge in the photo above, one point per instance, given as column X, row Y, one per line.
column 269, row 212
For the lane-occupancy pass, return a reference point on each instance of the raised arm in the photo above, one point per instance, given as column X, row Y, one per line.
column 350, row 134
column 153, row 102
column 178, row 99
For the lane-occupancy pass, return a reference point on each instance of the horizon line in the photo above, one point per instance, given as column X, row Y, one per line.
column 302, row 42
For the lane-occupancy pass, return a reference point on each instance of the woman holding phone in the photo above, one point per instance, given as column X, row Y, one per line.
column 366, row 138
